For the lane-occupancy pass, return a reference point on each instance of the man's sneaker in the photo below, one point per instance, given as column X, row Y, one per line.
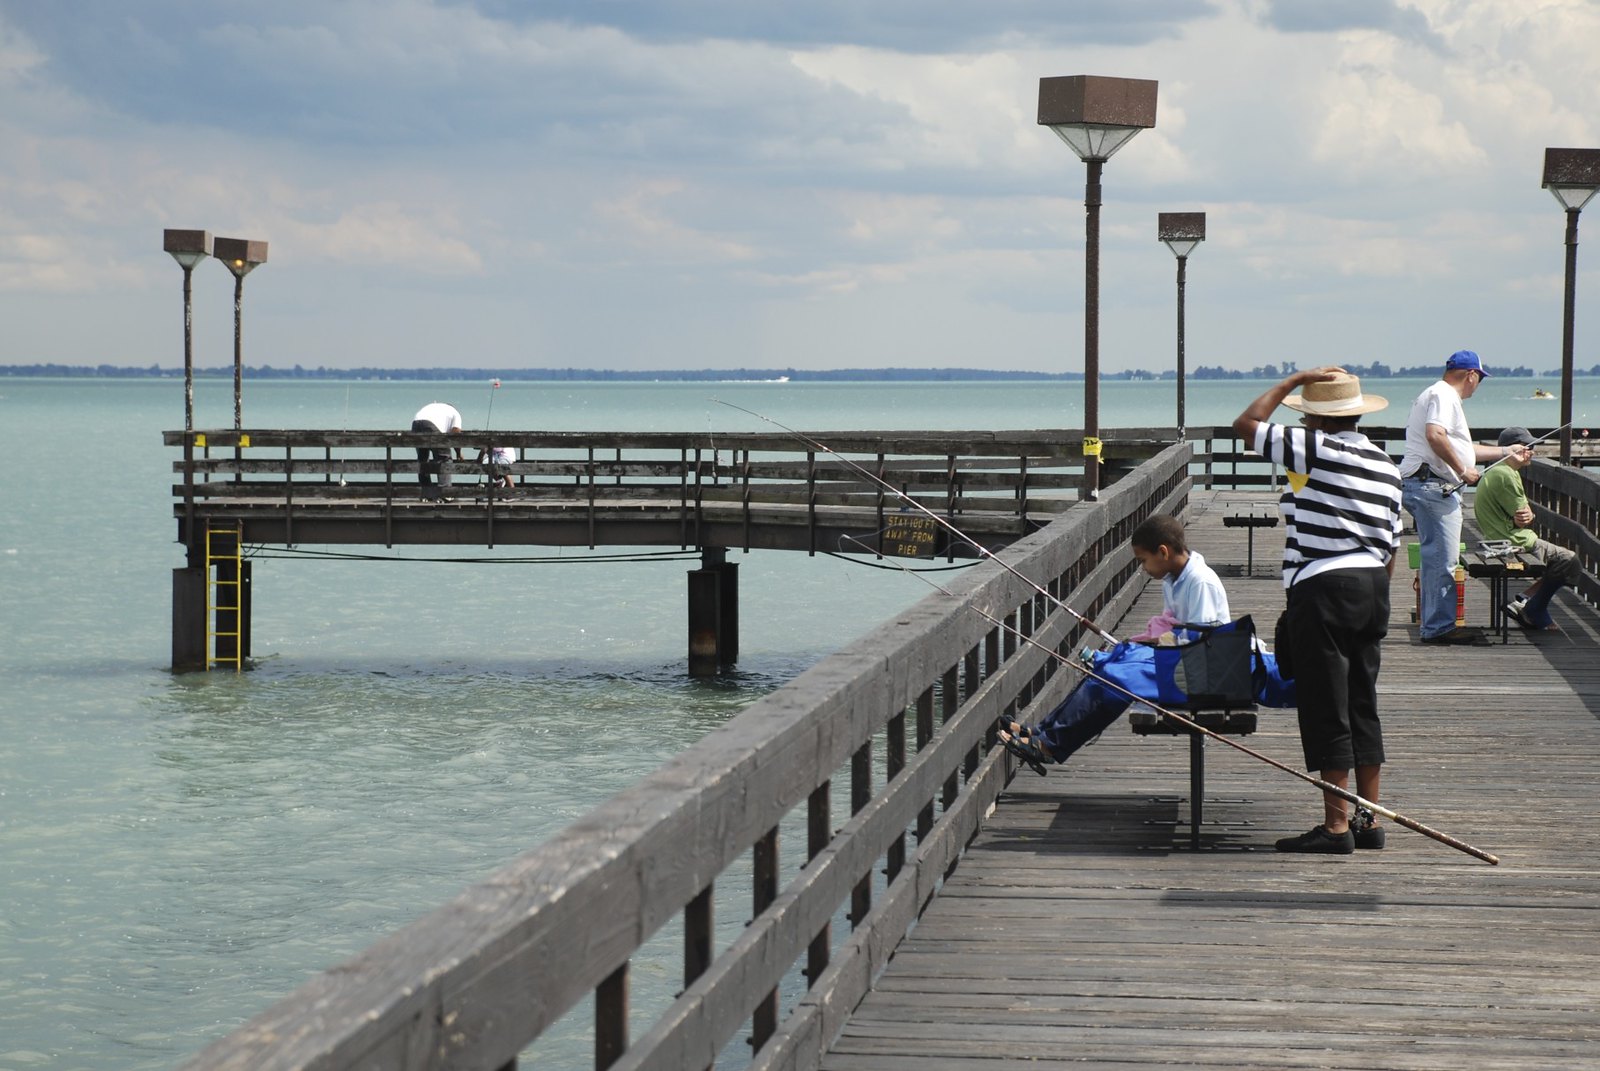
column 1460, row 636
column 1517, row 610
column 1320, row 841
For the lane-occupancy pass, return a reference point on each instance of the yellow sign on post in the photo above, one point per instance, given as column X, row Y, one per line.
column 1091, row 446
column 244, row 440
column 910, row 537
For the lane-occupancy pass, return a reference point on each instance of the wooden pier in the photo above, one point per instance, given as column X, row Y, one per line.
column 928, row 905
column 702, row 492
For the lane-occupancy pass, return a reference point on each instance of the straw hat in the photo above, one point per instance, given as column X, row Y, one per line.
column 1339, row 396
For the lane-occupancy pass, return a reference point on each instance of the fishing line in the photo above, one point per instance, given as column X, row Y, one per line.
column 983, row 552
column 1194, row 726
column 854, row 560
column 259, row 551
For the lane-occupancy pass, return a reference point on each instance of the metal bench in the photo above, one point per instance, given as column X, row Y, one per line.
column 1222, row 698
column 1250, row 522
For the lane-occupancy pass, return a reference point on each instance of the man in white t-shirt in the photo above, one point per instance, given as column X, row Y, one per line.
column 436, row 418
column 1440, row 456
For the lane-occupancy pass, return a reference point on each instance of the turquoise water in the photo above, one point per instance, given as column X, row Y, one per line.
column 180, row 851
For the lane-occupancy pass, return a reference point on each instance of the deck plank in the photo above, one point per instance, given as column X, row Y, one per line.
column 1079, row 930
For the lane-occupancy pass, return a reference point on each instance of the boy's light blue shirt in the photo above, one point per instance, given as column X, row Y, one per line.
column 1196, row 596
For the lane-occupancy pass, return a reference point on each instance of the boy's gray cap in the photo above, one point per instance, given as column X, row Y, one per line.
column 1515, row 436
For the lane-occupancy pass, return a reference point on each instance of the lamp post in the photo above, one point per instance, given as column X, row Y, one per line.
column 1095, row 116
column 241, row 256
column 188, row 248
column 1181, row 231
column 1573, row 175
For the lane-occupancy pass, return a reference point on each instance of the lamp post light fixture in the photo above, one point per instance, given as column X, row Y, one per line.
column 241, row 256
column 1182, row 232
column 1573, row 176
column 188, row 248
column 1095, row 116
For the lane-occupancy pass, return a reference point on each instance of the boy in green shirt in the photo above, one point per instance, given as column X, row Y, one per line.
column 1502, row 510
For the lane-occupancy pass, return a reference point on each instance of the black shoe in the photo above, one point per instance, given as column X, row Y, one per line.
column 1460, row 636
column 1320, row 841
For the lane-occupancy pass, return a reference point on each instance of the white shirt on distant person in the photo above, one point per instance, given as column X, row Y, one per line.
column 441, row 415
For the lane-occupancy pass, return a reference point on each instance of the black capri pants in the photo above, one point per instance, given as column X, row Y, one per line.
column 1336, row 624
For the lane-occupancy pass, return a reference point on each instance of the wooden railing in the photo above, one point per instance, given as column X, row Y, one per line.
column 1566, row 504
column 905, row 717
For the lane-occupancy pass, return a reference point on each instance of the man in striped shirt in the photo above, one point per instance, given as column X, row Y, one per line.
column 1337, row 566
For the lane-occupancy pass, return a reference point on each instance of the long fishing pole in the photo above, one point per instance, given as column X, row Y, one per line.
column 1326, row 786
column 982, row 551
column 1451, row 489
column 346, row 428
column 1195, row 727
column 488, row 451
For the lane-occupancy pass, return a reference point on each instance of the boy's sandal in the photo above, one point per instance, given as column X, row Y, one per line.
column 1028, row 750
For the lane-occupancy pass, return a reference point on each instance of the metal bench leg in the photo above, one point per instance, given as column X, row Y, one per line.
column 1197, row 785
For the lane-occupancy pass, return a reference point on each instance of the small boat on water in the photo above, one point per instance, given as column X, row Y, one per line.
column 1540, row 392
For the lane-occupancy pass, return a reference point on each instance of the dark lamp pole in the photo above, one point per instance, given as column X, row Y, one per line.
column 1573, row 176
column 1181, row 232
column 1095, row 116
column 188, row 248
column 241, row 256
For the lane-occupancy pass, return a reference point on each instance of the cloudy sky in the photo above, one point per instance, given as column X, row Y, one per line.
column 828, row 184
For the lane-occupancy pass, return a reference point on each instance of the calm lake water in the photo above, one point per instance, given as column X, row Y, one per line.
column 178, row 852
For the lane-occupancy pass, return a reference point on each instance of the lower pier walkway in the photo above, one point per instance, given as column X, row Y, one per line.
column 1080, row 930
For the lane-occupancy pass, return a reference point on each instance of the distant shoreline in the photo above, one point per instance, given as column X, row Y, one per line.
column 724, row 375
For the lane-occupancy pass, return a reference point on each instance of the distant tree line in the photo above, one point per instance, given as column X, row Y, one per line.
column 1376, row 370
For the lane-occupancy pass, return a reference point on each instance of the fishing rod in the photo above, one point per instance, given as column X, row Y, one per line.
column 1195, row 727
column 1326, row 786
column 494, row 385
column 346, row 428
column 1449, row 490
column 983, row 552
column 488, row 451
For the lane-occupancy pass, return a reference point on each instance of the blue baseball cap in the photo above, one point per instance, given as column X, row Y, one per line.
column 1466, row 359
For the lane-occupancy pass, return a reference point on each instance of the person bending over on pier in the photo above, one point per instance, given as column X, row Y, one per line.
column 1337, row 570
column 1191, row 595
column 1502, row 511
column 497, row 462
column 436, row 418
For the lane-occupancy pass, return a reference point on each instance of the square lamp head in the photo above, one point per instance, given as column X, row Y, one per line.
column 1572, row 175
column 187, row 247
column 1181, row 231
column 1096, row 116
column 240, row 254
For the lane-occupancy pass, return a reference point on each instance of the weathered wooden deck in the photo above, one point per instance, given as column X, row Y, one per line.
column 1080, row 930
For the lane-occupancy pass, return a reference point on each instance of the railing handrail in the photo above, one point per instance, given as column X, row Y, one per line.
column 471, row 984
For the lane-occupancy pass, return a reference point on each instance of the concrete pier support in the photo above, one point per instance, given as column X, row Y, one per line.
column 713, row 614
column 188, row 619
column 192, row 627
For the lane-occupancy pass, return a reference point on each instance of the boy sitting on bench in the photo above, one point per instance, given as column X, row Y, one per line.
column 1191, row 594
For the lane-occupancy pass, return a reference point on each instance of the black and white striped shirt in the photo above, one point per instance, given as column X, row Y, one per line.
column 1346, row 499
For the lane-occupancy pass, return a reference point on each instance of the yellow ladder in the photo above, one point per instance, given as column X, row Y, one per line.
column 223, row 546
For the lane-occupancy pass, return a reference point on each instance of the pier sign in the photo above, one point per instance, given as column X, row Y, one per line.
column 910, row 537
